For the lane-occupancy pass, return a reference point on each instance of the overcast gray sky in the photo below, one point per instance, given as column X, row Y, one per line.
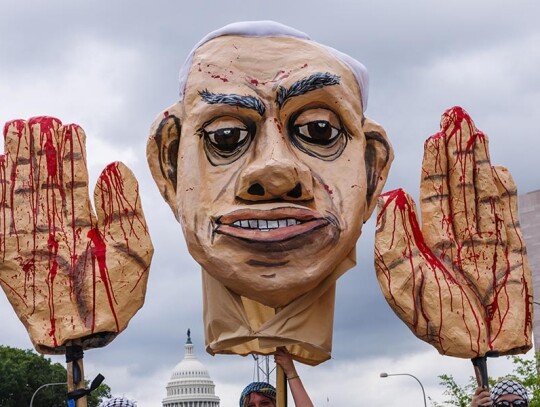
column 112, row 66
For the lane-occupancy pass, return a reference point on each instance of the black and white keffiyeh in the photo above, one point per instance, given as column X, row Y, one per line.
column 508, row 387
column 118, row 402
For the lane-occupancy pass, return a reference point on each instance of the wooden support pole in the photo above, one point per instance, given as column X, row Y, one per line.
column 75, row 372
column 281, row 387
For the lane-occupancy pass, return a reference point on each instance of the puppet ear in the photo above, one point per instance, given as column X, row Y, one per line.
column 162, row 153
column 378, row 156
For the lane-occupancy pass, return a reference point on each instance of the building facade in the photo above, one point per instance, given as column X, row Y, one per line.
column 190, row 384
column 529, row 208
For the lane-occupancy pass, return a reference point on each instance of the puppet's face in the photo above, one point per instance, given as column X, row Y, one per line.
column 271, row 169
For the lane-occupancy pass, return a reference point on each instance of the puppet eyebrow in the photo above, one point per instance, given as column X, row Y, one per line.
column 231, row 99
column 316, row 81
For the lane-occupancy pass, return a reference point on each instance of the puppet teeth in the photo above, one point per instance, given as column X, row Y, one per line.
column 292, row 222
column 266, row 225
column 273, row 224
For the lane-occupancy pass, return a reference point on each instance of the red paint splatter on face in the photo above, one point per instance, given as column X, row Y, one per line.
column 327, row 189
column 278, row 125
column 256, row 82
column 215, row 76
column 278, row 77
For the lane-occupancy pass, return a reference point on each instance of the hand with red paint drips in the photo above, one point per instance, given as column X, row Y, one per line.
column 69, row 274
column 460, row 280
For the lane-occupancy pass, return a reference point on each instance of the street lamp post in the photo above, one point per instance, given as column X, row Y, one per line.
column 41, row 387
column 407, row 374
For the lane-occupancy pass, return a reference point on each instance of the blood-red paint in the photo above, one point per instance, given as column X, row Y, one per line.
column 42, row 172
column 465, row 276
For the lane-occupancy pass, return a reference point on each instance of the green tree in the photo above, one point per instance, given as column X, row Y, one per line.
column 524, row 371
column 459, row 396
column 102, row 392
column 22, row 372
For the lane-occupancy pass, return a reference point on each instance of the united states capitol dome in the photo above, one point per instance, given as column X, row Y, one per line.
column 190, row 384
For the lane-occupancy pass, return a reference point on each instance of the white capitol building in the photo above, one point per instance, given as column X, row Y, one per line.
column 190, row 384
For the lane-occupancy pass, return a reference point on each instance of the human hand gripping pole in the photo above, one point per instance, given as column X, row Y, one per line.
column 285, row 363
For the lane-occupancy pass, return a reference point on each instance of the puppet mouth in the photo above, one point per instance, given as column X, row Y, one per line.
column 273, row 225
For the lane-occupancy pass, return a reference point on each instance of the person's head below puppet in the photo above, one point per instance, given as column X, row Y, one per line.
column 509, row 393
column 268, row 161
column 258, row 394
column 118, row 402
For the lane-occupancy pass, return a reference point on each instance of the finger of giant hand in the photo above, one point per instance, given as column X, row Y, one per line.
column 488, row 206
column 46, row 133
column 511, row 309
column 460, row 134
column 437, row 306
column 18, row 183
column 122, row 248
column 512, row 303
column 485, row 259
column 437, row 226
column 509, row 209
column 77, row 208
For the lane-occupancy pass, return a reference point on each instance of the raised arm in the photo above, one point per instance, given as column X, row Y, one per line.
column 299, row 393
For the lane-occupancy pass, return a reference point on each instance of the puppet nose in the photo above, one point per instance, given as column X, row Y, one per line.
column 282, row 179
column 276, row 179
column 275, row 173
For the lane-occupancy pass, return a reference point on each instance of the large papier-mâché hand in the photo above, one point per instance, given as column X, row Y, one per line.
column 460, row 280
column 69, row 274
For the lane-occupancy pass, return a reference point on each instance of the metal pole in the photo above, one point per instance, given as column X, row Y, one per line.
column 41, row 387
column 408, row 374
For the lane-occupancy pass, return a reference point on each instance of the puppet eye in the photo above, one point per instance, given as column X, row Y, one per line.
column 226, row 139
column 318, row 132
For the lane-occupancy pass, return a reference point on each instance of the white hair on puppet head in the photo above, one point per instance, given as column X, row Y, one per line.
column 273, row 29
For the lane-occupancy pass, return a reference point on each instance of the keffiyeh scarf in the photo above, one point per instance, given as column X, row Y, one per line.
column 508, row 387
column 263, row 388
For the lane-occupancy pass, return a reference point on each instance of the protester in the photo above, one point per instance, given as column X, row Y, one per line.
column 118, row 402
column 505, row 393
column 261, row 394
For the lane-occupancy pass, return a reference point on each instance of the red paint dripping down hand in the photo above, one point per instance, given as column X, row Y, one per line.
column 70, row 274
column 460, row 280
